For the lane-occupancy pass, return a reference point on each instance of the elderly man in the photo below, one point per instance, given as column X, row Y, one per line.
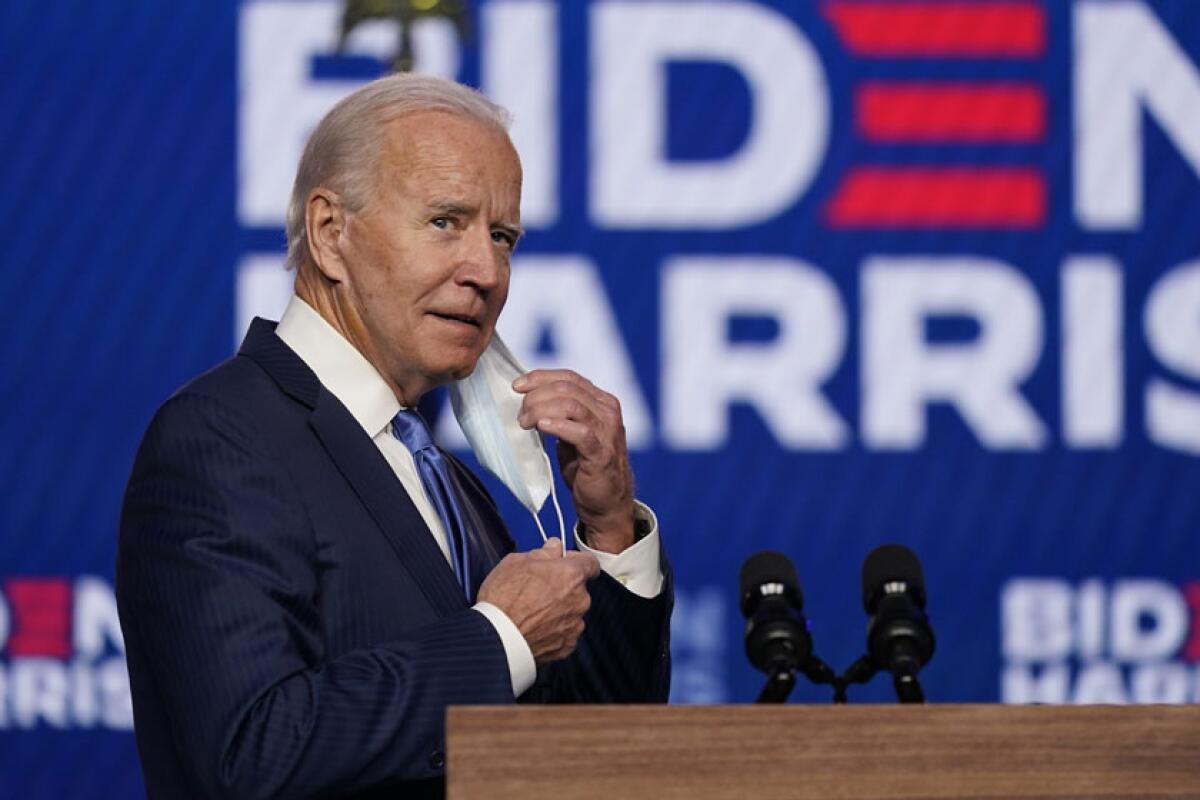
column 305, row 582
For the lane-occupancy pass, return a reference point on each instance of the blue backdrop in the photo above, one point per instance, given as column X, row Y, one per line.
column 860, row 272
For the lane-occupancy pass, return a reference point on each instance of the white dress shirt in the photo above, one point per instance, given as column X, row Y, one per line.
column 350, row 378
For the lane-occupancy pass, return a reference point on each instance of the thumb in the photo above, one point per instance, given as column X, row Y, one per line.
column 591, row 567
column 551, row 549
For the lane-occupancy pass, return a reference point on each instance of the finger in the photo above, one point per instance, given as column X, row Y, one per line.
column 551, row 549
column 583, row 437
column 569, row 640
column 599, row 402
column 537, row 377
column 542, row 377
column 586, row 562
column 603, row 404
column 584, row 604
column 561, row 653
column 563, row 406
column 605, row 407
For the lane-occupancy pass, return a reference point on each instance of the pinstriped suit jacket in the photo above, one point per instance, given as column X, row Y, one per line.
column 291, row 628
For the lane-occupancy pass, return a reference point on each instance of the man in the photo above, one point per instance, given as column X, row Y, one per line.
column 303, row 585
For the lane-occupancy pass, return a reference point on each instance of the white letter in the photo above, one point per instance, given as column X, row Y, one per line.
column 703, row 372
column 633, row 185
column 83, row 694
column 96, row 621
column 279, row 102
column 698, row 647
column 1135, row 603
column 39, row 688
column 698, row 621
column 698, row 680
column 1172, row 322
column 563, row 296
column 520, row 72
column 4, row 623
column 1100, row 682
column 902, row 372
column 1092, row 355
column 116, row 703
column 1020, row 684
column 1036, row 613
column 1126, row 63
column 1160, row 683
column 1090, row 622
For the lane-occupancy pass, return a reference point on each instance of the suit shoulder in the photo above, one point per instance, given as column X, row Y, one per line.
column 236, row 400
column 235, row 380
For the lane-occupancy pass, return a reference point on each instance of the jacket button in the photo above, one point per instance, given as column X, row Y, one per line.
column 437, row 759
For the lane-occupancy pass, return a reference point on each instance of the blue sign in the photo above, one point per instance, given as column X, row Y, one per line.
column 860, row 272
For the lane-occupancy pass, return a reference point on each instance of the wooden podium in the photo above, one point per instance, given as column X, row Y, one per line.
column 797, row 752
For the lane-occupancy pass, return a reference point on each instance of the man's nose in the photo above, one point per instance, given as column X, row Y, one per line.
column 480, row 263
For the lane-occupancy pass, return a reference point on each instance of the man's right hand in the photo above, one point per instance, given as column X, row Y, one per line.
column 545, row 595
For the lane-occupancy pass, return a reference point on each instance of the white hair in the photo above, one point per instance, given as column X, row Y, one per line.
column 343, row 150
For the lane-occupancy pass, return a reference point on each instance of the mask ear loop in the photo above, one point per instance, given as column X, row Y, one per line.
column 562, row 528
column 538, row 522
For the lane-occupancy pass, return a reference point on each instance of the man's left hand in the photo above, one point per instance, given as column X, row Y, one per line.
column 591, row 450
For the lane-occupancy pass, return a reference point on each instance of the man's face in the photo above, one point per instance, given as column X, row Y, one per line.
column 427, row 258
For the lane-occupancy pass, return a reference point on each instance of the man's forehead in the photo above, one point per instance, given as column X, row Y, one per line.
column 443, row 157
column 434, row 133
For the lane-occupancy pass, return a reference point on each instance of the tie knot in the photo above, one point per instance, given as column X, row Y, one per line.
column 409, row 427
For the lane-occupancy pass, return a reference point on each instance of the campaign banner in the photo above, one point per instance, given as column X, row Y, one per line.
column 859, row 271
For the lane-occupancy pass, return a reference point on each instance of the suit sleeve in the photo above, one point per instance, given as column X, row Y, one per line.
column 217, row 580
column 624, row 655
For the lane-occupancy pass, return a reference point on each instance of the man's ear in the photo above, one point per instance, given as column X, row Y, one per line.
column 325, row 226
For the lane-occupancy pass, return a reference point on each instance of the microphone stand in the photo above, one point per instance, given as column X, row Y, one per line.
column 860, row 671
column 904, row 666
column 782, row 679
column 908, row 688
column 904, row 679
column 778, row 686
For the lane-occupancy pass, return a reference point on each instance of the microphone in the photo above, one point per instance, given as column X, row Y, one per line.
column 899, row 636
column 777, row 638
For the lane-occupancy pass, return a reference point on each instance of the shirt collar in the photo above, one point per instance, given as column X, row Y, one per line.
column 339, row 366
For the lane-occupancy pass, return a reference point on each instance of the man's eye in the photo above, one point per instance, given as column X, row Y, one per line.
column 442, row 223
column 500, row 237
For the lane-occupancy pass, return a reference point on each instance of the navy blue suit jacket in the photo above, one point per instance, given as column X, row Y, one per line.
column 291, row 627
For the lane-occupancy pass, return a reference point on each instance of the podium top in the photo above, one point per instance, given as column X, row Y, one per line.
column 799, row 752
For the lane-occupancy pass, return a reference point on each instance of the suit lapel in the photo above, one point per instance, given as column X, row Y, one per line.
column 368, row 473
column 487, row 535
column 362, row 465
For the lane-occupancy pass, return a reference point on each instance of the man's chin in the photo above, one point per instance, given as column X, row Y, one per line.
column 448, row 361
column 456, row 369
column 461, row 374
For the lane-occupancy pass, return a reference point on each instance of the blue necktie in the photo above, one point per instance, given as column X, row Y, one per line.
column 409, row 427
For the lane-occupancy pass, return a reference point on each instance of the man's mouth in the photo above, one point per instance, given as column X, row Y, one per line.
column 465, row 319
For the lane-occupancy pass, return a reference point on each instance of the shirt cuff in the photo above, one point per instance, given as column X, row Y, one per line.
column 637, row 567
column 522, row 669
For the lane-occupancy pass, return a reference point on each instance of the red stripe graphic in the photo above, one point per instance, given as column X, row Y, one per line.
column 977, row 29
column 1191, row 593
column 939, row 197
column 41, row 617
column 923, row 112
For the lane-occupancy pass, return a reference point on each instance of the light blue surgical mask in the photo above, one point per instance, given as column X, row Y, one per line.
column 486, row 407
